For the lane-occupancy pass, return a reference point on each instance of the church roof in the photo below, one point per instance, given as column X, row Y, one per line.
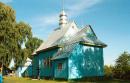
column 85, row 36
column 68, row 33
column 56, row 35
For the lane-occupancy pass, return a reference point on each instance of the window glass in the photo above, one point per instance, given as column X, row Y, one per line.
column 60, row 66
column 47, row 62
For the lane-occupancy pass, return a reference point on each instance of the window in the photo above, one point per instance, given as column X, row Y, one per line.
column 59, row 66
column 47, row 62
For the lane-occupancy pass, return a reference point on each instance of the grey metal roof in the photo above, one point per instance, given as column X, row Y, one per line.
column 85, row 35
column 64, row 52
column 58, row 38
column 56, row 35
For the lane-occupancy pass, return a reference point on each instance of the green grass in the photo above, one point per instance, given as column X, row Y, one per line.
column 28, row 80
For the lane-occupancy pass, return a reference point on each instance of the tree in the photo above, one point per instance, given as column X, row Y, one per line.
column 7, row 30
column 12, row 36
column 108, row 71
column 23, row 35
column 122, row 67
column 32, row 44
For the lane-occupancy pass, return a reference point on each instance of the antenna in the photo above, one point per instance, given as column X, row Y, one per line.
column 62, row 4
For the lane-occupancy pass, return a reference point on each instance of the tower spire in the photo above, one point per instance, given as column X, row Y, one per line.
column 62, row 4
column 63, row 16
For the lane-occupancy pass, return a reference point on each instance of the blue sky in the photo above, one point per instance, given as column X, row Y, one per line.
column 110, row 20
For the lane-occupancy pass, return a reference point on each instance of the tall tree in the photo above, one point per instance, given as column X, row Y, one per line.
column 12, row 36
column 7, row 30
column 23, row 35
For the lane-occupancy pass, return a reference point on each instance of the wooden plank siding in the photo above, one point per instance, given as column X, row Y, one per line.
column 85, row 61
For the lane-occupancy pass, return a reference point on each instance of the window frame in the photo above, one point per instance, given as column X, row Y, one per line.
column 60, row 66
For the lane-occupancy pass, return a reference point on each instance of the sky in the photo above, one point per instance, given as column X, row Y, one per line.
column 110, row 20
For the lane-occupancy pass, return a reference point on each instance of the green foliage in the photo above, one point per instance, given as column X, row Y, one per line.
column 121, row 70
column 12, row 36
column 32, row 44
column 122, row 67
column 7, row 36
column 24, row 32
column 108, row 71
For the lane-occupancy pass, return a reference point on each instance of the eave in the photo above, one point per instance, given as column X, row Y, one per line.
column 91, row 44
column 49, row 48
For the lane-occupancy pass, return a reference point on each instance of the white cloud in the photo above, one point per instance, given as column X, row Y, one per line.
column 45, row 20
column 6, row 1
column 74, row 8
column 43, row 25
column 80, row 6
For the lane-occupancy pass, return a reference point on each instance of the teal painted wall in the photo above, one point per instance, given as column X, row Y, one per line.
column 85, row 61
column 63, row 73
column 1, row 78
column 35, row 66
column 28, row 72
column 44, row 70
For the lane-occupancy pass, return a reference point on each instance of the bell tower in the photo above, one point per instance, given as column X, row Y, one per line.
column 63, row 17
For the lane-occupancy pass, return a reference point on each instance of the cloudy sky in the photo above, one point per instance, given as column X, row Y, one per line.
column 110, row 19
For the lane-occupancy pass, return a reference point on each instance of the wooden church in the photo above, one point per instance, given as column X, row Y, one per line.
column 71, row 52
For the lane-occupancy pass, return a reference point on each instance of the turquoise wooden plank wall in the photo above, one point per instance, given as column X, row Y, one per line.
column 63, row 73
column 46, row 71
column 83, row 61
column 35, row 66
column 28, row 72
column 86, row 61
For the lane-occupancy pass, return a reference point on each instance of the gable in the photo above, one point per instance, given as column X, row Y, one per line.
column 90, row 33
column 93, row 39
column 73, row 29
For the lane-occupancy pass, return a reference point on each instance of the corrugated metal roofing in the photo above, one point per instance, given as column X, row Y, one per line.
column 56, row 36
column 82, row 36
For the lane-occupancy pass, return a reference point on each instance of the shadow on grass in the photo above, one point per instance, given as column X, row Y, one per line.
column 98, row 80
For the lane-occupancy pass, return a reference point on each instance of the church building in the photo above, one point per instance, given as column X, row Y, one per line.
column 70, row 52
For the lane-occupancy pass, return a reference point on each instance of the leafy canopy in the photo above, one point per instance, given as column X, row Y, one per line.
column 13, row 35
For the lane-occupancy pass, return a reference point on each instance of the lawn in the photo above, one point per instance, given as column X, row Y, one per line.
column 27, row 80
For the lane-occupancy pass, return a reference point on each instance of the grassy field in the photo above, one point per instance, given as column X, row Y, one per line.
column 27, row 80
